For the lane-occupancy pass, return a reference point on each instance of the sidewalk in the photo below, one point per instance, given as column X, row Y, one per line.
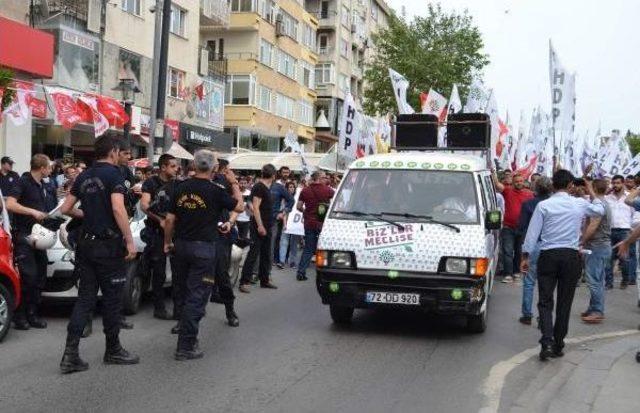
column 601, row 377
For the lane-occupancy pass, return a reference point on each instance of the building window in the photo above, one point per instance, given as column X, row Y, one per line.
column 307, row 75
column 343, row 83
column 268, row 10
column 266, row 53
column 305, row 113
column 240, row 90
column 176, row 82
column 289, row 25
column 178, row 20
column 264, row 98
column 344, row 48
column 131, row 6
column 243, row 6
column 345, row 17
column 324, row 73
column 285, row 107
column 309, row 36
column 287, row 64
column 374, row 11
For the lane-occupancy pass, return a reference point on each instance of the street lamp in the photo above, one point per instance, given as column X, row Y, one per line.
column 129, row 88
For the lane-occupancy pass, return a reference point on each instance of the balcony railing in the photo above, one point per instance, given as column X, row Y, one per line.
column 218, row 68
column 214, row 13
column 241, row 56
column 325, row 50
column 327, row 18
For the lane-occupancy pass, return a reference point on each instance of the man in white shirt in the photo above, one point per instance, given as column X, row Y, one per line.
column 621, row 221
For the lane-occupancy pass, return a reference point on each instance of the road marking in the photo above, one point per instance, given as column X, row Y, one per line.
column 493, row 384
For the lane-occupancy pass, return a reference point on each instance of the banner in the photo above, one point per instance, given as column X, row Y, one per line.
column 66, row 108
column 632, row 167
column 562, row 102
column 349, row 132
column 295, row 222
column 18, row 110
column 433, row 103
column 455, row 104
column 400, row 85
column 616, row 157
column 113, row 111
column 100, row 122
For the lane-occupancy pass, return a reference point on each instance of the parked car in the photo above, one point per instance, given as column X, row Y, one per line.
column 9, row 280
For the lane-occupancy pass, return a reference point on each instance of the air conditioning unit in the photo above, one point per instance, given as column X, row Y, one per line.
column 280, row 26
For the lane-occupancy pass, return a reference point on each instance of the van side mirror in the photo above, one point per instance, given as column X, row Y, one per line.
column 493, row 220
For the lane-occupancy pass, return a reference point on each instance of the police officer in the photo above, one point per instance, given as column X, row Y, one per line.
column 28, row 202
column 155, row 200
column 223, row 290
column 195, row 212
column 105, row 243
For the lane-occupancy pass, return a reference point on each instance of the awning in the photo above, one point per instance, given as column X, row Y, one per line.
column 254, row 161
column 176, row 150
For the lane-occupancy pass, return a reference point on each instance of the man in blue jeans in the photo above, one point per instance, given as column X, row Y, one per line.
column 542, row 189
column 596, row 239
column 318, row 192
column 621, row 220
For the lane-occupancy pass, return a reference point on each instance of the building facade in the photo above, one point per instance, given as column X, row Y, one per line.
column 270, row 51
column 344, row 45
column 101, row 44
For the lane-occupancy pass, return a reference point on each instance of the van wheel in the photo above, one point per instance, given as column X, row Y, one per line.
column 340, row 314
column 6, row 311
column 477, row 323
column 132, row 289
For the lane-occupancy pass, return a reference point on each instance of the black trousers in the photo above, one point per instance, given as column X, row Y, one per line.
column 261, row 248
column 223, row 290
column 556, row 268
column 32, row 264
column 100, row 264
column 195, row 261
column 156, row 261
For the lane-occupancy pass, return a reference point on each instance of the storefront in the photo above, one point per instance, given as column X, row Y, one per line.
column 194, row 137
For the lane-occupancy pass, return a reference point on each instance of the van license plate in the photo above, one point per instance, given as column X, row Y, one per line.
column 393, row 298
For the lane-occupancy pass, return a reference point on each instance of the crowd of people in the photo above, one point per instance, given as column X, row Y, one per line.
column 194, row 215
column 560, row 230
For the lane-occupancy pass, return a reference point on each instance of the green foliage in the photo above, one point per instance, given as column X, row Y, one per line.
column 6, row 77
column 435, row 51
column 634, row 142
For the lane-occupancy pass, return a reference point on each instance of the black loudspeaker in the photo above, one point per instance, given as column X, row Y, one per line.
column 469, row 130
column 417, row 131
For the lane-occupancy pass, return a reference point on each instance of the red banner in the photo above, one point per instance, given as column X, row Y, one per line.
column 68, row 114
column 38, row 108
column 112, row 110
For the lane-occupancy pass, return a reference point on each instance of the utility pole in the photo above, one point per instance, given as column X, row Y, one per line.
column 157, row 46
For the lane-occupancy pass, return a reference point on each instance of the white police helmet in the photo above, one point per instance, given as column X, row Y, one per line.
column 236, row 254
column 63, row 235
column 42, row 238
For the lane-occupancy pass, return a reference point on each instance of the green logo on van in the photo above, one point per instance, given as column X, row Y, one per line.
column 398, row 164
column 438, row 166
column 373, row 164
column 465, row 167
column 385, row 164
column 412, row 164
column 452, row 166
column 360, row 164
column 426, row 165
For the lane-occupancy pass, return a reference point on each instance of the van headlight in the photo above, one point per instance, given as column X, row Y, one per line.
column 335, row 259
column 456, row 266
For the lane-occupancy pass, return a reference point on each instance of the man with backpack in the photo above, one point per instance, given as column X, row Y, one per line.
column 155, row 201
column 313, row 203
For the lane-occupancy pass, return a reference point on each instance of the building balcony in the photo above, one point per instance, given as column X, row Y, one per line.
column 326, row 53
column 214, row 13
column 357, row 72
column 327, row 20
column 217, row 68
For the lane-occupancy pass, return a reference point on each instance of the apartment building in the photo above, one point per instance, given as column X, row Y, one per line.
column 106, row 47
column 344, row 45
column 270, row 51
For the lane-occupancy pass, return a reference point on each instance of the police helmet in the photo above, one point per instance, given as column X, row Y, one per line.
column 42, row 238
column 63, row 235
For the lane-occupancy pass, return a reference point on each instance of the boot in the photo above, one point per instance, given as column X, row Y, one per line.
column 125, row 325
column 191, row 354
column 176, row 329
column 71, row 361
column 20, row 321
column 232, row 317
column 34, row 320
column 88, row 329
column 161, row 313
column 115, row 354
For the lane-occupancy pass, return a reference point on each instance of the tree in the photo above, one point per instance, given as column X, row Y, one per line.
column 435, row 51
column 6, row 77
column 633, row 139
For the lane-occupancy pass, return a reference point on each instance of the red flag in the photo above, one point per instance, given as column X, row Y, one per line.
column 200, row 91
column 38, row 108
column 89, row 107
column 68, row 113
column 112, row 110
column 528, row 169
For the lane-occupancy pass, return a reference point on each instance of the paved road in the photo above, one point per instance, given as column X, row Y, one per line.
column 288, row 357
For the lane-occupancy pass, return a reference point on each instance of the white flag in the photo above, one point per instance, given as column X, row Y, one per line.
column 434, row 104
column 349, row 132
column 400, row 85
column 563, row 97
column 455, row 104
column 291, row 141
column 477, row 99
column 492, row 110
column 100, row 122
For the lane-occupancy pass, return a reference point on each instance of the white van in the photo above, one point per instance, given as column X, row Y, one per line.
column 411, row 229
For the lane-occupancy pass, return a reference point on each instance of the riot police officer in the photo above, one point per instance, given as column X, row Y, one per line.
column 223, row 290
column 195, row 212
column 28, row 201
column 156, row 196
column 105, row 243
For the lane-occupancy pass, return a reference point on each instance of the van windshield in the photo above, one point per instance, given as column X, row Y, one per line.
column 448, row 197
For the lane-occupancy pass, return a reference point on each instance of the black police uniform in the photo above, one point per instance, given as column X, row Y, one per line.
column 8, row 181
column 32, row 263
column 223, row 290
column 161, row 193
column 100, row 260
column 130, row 199
column 197, row 206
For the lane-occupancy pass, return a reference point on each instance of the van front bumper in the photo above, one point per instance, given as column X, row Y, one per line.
column 439, row 293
